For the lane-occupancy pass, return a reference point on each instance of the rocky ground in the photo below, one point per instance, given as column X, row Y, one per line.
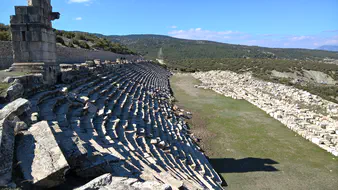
column 308, row 115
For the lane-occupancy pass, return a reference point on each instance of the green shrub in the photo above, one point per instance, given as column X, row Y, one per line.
column 5, row 36
column 76, row 42
column 71, row 45
column 60, row 40
column 4, row 27
column 84, row 45
column 3, row 88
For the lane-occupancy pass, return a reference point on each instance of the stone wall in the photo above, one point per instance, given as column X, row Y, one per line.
column 6, row 55
column 64, row 55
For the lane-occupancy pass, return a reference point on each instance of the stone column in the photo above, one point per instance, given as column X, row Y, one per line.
column 34, row 39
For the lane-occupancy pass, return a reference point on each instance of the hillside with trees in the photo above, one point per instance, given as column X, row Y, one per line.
column 175, row 49
column 196, row 55
column 89, row 41
column 77, row 40
column 4, row 33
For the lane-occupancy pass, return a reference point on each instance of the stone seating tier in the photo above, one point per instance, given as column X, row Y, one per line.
column 121, row 122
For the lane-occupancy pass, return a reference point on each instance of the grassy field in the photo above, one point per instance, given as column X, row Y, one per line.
column 250, row 149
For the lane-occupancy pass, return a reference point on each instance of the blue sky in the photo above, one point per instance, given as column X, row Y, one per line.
column 271, row 23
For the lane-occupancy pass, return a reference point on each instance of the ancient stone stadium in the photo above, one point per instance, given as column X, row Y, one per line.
column 112, row 122
column 87, row 111
column 118, row 119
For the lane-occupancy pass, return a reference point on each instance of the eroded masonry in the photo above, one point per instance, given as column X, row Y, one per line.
column 34, row 41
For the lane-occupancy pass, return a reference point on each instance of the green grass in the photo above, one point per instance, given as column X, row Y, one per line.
column 3, row 89
column 4, row 74
column 250, row 149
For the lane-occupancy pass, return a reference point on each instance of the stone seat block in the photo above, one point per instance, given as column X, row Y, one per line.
column 6, row 149
column 41, row 159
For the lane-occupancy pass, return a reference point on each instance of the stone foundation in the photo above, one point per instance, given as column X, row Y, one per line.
column 50, row 71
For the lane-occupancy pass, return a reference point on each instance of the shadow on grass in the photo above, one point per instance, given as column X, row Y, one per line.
column 231, row 165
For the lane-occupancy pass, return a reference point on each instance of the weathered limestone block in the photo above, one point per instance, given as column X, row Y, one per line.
column 18, row 125
column 9, row 116
column 107, row 61
column 109, row 182
column 14, row 92
column 41, row 160
column 90, row 107
column 90, row 63
column 8, row 80
column 32, row 80
column 97, row 61
column 72, row 148
column 6, row 151
column 34, row 117
column 83, row 99
column 67, row 76
column 17, row 107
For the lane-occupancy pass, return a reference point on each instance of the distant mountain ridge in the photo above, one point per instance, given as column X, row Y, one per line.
column 175, row 48
column 328, row 48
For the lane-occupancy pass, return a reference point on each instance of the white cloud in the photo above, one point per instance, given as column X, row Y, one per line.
column 78, row 18
column 85, row 2
column 201, row 34
column 335, row 31
column 173, row 27
column 79, row 1
column 266, row 40
column 296, row 38
column 267, row 34
column 310, row 42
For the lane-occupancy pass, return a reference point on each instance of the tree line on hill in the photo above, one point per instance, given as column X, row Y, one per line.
column 175, row 49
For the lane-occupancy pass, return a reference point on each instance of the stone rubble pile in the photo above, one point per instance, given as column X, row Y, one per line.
column 306, row 114
column 118, row 120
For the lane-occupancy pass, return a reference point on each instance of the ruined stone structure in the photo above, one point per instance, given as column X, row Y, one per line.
column 120, row 120
column 34, row 41
column 113, row 122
